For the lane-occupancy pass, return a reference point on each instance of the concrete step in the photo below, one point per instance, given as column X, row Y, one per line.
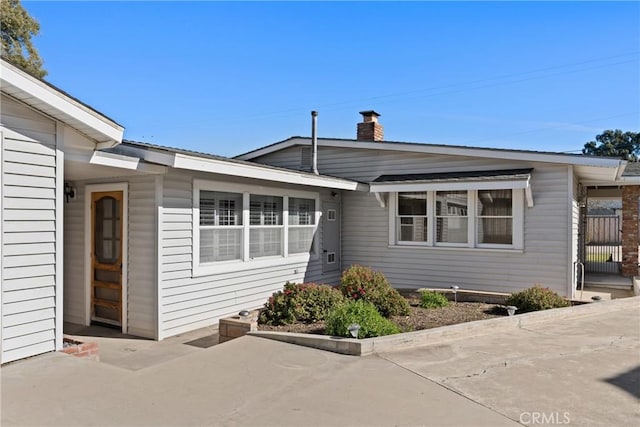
column 587, row 296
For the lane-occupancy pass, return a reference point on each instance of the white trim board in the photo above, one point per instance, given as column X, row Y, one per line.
column 159, row 194
column 96, row 188
column 239, row 169
column 60, row 201
column 1, row 234
column 22, row 86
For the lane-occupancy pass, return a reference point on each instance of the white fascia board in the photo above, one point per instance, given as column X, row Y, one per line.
column 444, row 150
column 161, row 158
column 117, row 161
column 114, row 160
column 625, row 180
column 182, row 161
column 449, row 186
column 629, row 180
column 59, row 101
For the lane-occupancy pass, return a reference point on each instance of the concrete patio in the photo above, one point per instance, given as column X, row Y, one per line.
column 586, row 370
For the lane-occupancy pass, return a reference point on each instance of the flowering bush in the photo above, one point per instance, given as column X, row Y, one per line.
column 371, row 322
column 362, row 283
column 306, row 303
column 536, row 298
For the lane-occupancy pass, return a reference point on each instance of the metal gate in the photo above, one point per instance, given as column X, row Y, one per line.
column 603, row 244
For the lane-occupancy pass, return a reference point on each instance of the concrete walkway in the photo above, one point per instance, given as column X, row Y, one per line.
column 585, row 370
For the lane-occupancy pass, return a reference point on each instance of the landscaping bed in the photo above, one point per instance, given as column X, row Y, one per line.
column 419, row 318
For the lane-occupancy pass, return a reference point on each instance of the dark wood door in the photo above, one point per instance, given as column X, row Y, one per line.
column 106, row 257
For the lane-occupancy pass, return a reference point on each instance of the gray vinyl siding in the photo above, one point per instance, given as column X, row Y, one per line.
column 189, row 302
column 74, row 258
column 141, row 282
column 365, row 226
column 142, row 285
column 29, row 247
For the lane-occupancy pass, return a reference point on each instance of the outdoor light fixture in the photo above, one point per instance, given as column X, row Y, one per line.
column 244, row 315
column 511, row 309
column 455, row 292
column 69, row 192
column 353, row 329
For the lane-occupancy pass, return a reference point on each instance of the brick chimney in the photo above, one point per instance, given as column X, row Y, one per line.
column 369, row 129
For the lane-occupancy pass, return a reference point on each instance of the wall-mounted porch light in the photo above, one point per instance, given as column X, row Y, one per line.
column 69, row 192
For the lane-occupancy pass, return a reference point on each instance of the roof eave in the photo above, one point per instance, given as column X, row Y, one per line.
column 238, row 169
column 182, row 161
column 557, row 158
column 59, row 106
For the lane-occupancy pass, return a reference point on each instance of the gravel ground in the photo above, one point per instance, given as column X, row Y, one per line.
column 420, row 318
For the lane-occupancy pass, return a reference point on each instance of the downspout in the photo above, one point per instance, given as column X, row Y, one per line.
column 314, row 143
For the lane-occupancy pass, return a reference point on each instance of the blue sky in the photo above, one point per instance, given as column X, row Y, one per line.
column 226, row 78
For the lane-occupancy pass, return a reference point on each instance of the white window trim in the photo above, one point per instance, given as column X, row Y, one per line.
column 517, row 224
column 247, row 262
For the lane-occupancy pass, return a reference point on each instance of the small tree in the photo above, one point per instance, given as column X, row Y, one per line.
column 615, row 143
column 17, row 28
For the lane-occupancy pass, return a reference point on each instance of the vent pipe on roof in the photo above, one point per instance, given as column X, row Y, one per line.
column 314, row 142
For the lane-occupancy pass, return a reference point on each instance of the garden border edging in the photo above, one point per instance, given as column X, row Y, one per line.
column 389, row 343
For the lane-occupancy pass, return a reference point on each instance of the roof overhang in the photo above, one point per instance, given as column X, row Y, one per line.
column 58, row 105
column 513, row 179
column 450, row 150
column 238, row 168
column 194, row 163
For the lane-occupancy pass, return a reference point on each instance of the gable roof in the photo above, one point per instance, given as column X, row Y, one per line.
column 591, row 169
column 196, row 161
column 59, row 105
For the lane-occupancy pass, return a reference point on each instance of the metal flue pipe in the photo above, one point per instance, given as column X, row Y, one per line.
column 314, row 142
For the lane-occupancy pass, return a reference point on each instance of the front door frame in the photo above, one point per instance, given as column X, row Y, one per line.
column 100, row 188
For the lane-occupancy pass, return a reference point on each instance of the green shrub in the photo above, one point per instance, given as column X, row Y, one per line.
column 536, row 298
column 362, row 283
column 371, row 322
column 433, row 299
column 306, row 303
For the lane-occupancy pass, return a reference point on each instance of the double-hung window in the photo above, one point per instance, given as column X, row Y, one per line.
column 412, row 223
column 266, row 227
column 235, row 224
column 220, row 226
column 491, row 219
column 495, row 217
column 302, row 220
column 452, row 221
